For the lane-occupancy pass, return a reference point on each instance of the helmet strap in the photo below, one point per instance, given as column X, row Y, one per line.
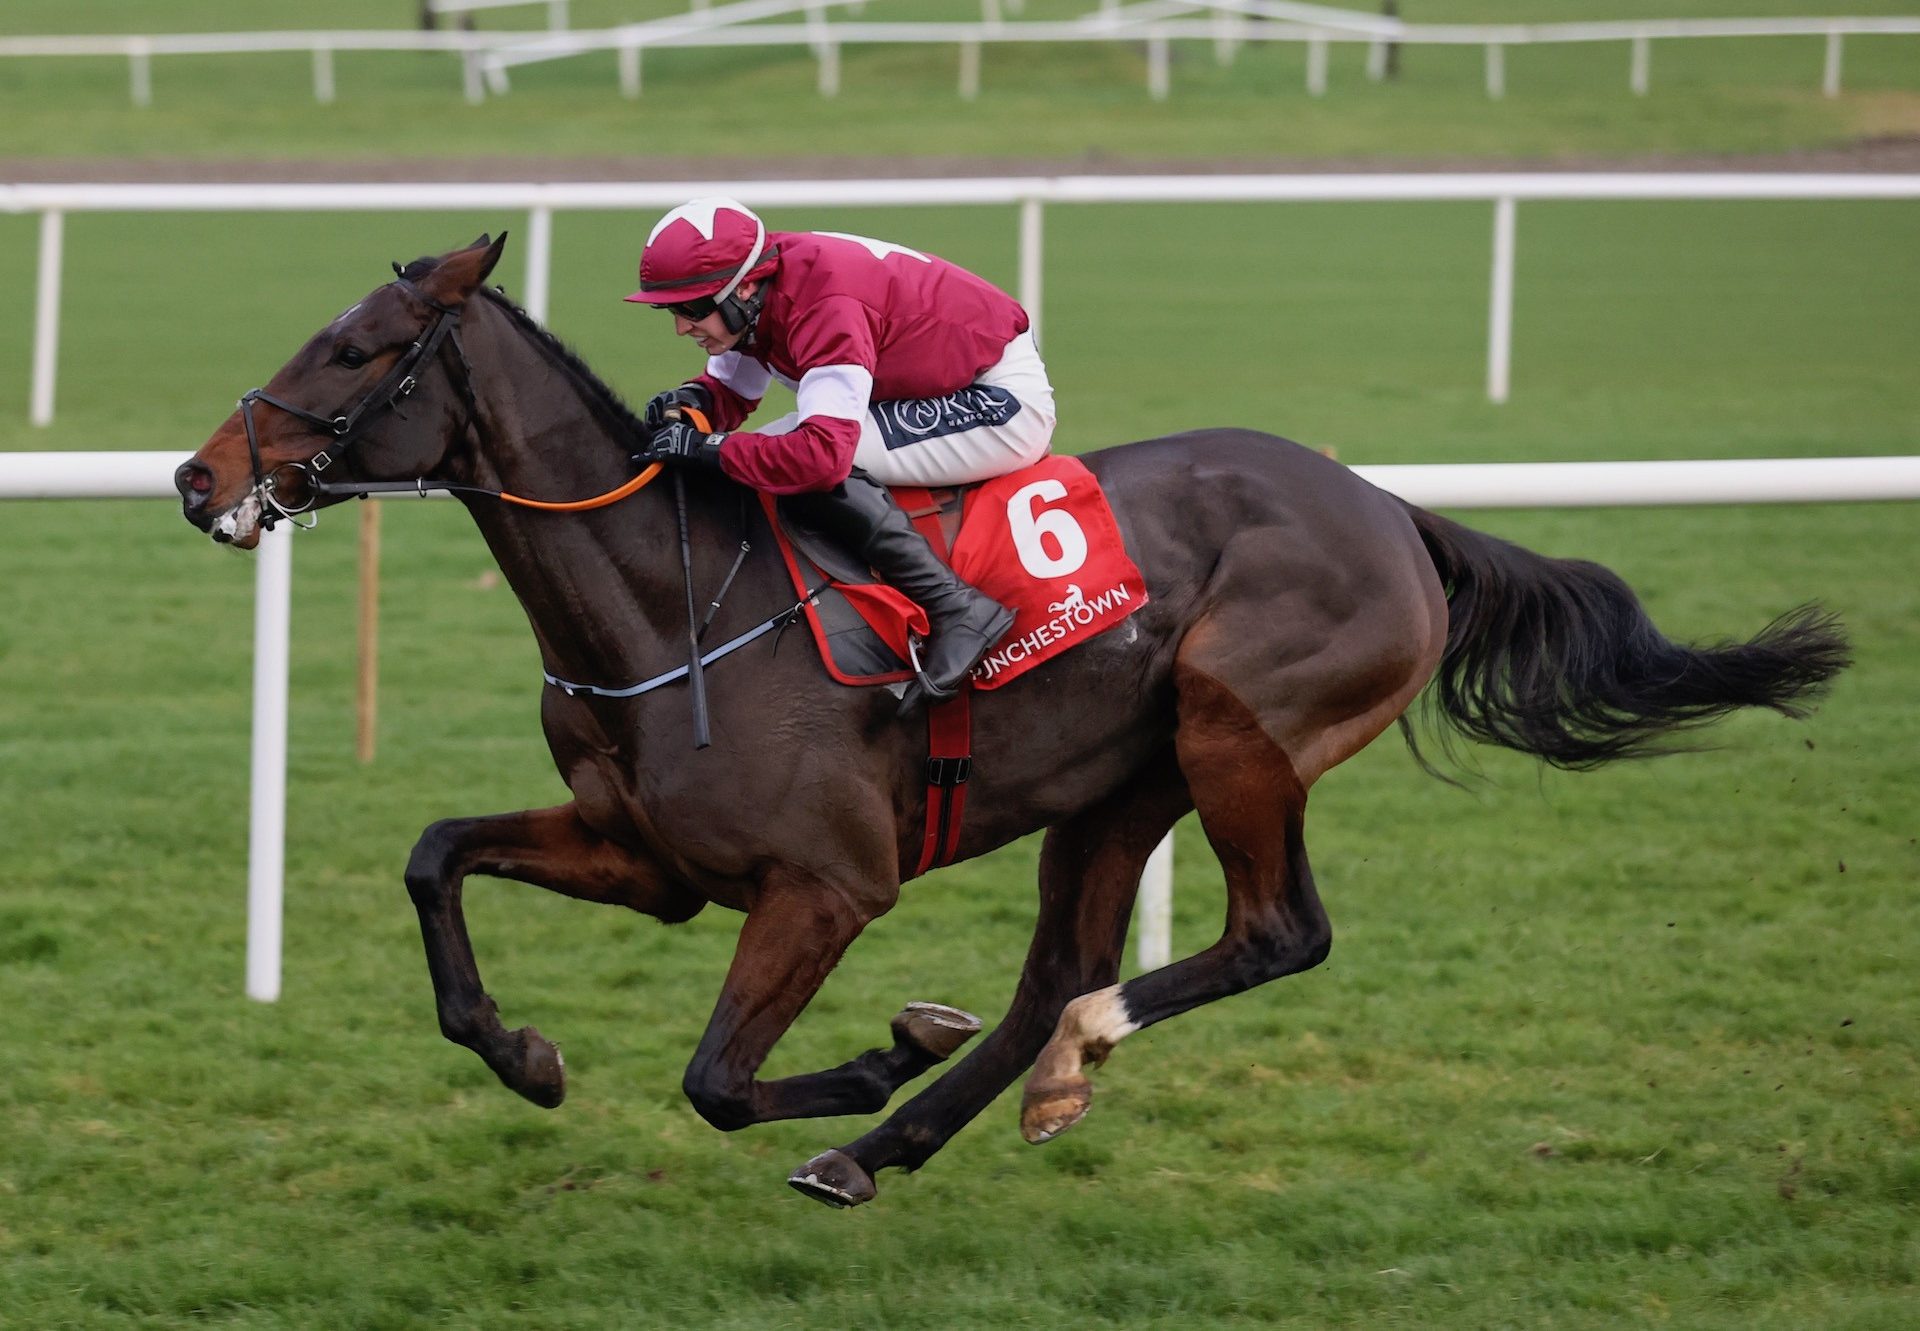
column 739, row 314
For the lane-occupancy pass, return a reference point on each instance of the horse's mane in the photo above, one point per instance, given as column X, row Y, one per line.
column 618, row 414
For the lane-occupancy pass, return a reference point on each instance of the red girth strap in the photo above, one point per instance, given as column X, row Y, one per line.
column 949, row 724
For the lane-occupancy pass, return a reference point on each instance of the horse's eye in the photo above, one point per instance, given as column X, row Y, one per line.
column 351, row 357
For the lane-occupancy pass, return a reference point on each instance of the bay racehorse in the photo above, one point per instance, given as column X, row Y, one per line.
column 1296, row 612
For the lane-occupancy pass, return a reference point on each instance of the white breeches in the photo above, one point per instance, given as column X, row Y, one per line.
column 999, row 423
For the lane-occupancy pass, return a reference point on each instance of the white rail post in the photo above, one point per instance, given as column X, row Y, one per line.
column 1226, row 38
column 140, row 70
column 830, row 69
column 46, row 316
column 1500, row 313
column 630, row 71
column 1317, row 67
column 1157, row 68
column 323, row 75
column 1376, row 61
column 1639, row 77
column 539, row 260
column 266, row 837
column 969, row 70
column 1496, row 70
column 556, row 15
column 1155, row 946
column 470, row 75
column 366, row 700
column 1030, row 239
column 1830, row 76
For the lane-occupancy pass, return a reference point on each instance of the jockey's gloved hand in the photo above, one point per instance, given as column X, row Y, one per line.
column 680, row 444
column 655, row 417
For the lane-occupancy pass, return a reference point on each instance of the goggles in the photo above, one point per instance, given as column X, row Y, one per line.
column 696, row 309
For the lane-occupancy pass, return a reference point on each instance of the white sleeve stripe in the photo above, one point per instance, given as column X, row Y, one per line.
column 840, row 391
column 744, row 375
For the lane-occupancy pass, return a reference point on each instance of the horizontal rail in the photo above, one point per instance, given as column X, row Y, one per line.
column 149, row 475
column 259, row 43
column 592, row 195
column 470, row 6
column 1635, row 484
column 1031, row 193
column 90, row 475
column 679, row 29
column 694, row 30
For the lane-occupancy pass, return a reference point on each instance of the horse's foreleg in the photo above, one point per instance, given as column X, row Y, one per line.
column 550, row 848
column 1089, row 872
column 796, row 931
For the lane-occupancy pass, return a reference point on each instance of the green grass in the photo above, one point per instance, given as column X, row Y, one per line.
column 1090, row 102
column 1630, row 1048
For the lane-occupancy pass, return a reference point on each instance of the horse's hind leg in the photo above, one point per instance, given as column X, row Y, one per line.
column 1089, row 871
column 1302, row 661
column 1252, row 804
column 550, row 848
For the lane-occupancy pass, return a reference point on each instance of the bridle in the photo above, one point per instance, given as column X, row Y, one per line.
column 387, row 395
column 397, row 385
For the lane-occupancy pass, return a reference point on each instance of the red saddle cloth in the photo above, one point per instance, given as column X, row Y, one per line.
column 1041, row 541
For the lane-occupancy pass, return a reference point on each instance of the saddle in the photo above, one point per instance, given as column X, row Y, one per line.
column 1041, row 540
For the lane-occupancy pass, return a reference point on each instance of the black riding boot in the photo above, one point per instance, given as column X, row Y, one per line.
column 964, row 622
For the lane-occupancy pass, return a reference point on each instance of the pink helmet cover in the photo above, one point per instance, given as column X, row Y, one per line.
column 705, row 247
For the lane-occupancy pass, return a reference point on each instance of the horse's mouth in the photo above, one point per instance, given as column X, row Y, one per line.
column 239, row 526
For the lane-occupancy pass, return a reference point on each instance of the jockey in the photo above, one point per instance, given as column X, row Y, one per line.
column 908, row 370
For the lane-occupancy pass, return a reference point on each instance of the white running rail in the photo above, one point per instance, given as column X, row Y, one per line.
column 695, row 28
column 486, row 56
column 556, row 9
column 1487, row 485
column 1028, row 193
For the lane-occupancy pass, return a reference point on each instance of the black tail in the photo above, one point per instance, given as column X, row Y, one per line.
column 1556, row 657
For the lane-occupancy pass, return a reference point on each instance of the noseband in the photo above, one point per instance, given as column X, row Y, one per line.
column 346, row 429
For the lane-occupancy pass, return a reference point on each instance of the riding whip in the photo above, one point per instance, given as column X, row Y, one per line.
column 696, row 674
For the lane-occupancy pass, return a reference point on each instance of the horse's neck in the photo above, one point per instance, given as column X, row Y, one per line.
column 602, row 589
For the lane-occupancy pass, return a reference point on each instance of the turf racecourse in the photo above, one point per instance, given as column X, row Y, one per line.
column 1635, row 1047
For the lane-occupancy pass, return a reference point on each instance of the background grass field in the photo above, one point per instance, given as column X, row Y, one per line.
column 1636, row 1047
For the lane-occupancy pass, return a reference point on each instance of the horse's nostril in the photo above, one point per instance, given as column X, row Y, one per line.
column 194, row 481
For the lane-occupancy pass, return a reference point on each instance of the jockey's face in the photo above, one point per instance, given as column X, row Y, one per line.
column 711, row 332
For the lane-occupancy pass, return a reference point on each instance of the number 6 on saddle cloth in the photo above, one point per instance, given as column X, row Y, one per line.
column 1040, row 540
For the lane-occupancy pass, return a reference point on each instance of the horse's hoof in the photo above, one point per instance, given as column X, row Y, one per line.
column 833, row 1177
column 1049, row 1109
column 934, row 1028
column 543, row 1072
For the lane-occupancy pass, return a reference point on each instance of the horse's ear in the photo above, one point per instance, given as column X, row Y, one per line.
column 459, row 274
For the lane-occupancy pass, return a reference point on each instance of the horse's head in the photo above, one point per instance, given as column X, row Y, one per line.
column 381, row 393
